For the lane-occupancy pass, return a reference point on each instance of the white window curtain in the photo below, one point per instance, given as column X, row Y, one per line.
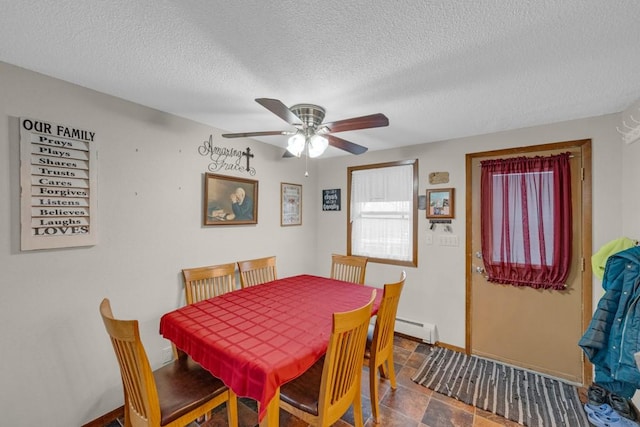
column 532, row 191
column 382, row 212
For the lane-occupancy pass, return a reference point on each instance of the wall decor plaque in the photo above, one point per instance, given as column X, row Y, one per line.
column 331, row 200
column 58, row 176
column 438, row 177
column 290, row 204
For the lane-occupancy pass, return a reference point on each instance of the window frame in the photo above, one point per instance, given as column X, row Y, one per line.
column 414, row 163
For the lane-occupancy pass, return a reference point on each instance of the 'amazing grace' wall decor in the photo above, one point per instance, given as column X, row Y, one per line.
column 227, row 159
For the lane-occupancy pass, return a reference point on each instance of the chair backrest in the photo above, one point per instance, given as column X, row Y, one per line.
column 202, row 283
column 141, row 396
column 256, row 271
column 382, row 342
column 348, row 268
column 342, row 370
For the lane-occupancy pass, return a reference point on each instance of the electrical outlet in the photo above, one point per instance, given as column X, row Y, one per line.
column 167, row 355
column 448, row 240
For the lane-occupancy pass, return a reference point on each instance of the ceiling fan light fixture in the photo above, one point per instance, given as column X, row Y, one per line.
column 296, row 144
column 312, row 134
column 317, row 145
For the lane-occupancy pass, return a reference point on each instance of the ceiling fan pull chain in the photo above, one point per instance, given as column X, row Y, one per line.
column 306, row 161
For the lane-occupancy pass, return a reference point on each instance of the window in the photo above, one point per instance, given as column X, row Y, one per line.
column 382, row 212
column 526, row 220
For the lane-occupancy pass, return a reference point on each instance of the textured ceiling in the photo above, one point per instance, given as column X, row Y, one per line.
column 437, row 69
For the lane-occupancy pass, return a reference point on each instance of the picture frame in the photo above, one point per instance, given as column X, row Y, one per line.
column 440, row 203
column 290, row 204
column 230, row 200
column 331, row 199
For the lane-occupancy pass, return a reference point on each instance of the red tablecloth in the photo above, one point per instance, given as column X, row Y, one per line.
column 258, row 338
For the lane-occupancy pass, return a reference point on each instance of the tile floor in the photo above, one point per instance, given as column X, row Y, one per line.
column 410, row 405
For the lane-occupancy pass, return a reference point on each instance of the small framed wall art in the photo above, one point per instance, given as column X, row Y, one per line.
column 331, row 199
column 229, row 200
column 290, row 204
column 440, row 203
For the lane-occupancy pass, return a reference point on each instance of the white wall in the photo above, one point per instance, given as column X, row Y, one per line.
column 435, row 291
column 58, row 367
column 57, row 364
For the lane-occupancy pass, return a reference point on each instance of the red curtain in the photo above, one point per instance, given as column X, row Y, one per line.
column 526, row 220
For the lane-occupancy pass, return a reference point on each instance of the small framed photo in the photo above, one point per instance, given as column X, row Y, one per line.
column 440, row 203
column 229, row 200
column 290, row 204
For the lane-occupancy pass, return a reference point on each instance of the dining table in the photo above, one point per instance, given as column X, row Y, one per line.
column 257, row 338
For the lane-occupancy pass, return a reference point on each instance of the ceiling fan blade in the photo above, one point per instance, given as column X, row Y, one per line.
column 265, row 133
column 279, row 109
column 287, row 154
column 345, row 145
column 364, row 122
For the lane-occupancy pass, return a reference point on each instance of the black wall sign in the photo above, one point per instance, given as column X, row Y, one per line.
column 331, row 200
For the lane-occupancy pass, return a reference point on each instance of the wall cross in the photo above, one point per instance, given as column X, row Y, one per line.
column 247, row 154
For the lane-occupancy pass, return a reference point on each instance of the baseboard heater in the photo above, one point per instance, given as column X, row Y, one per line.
column 426, row 332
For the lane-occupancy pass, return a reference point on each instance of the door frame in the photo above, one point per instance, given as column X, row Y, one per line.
column 586, row 224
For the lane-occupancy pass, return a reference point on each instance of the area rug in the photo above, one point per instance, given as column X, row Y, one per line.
column 525, row 397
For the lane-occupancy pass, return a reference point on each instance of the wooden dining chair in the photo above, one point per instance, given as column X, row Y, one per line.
column 174, row 395
column 202, row 283
column 380, row 342
column 322, row 394
column 349, row 268
column 256, row 271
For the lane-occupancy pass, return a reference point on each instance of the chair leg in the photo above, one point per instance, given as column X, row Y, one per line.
column 392, row 371
column 127, row 416
column 232, row 409
column 383, row 371
column 373, row 393
column 357, row 410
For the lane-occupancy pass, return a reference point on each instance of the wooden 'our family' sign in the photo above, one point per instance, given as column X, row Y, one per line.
column 58, row 176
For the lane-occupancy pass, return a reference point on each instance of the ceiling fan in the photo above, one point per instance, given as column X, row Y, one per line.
column 311, row 135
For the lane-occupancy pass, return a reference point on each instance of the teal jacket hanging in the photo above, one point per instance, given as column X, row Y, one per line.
column 613, row 335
